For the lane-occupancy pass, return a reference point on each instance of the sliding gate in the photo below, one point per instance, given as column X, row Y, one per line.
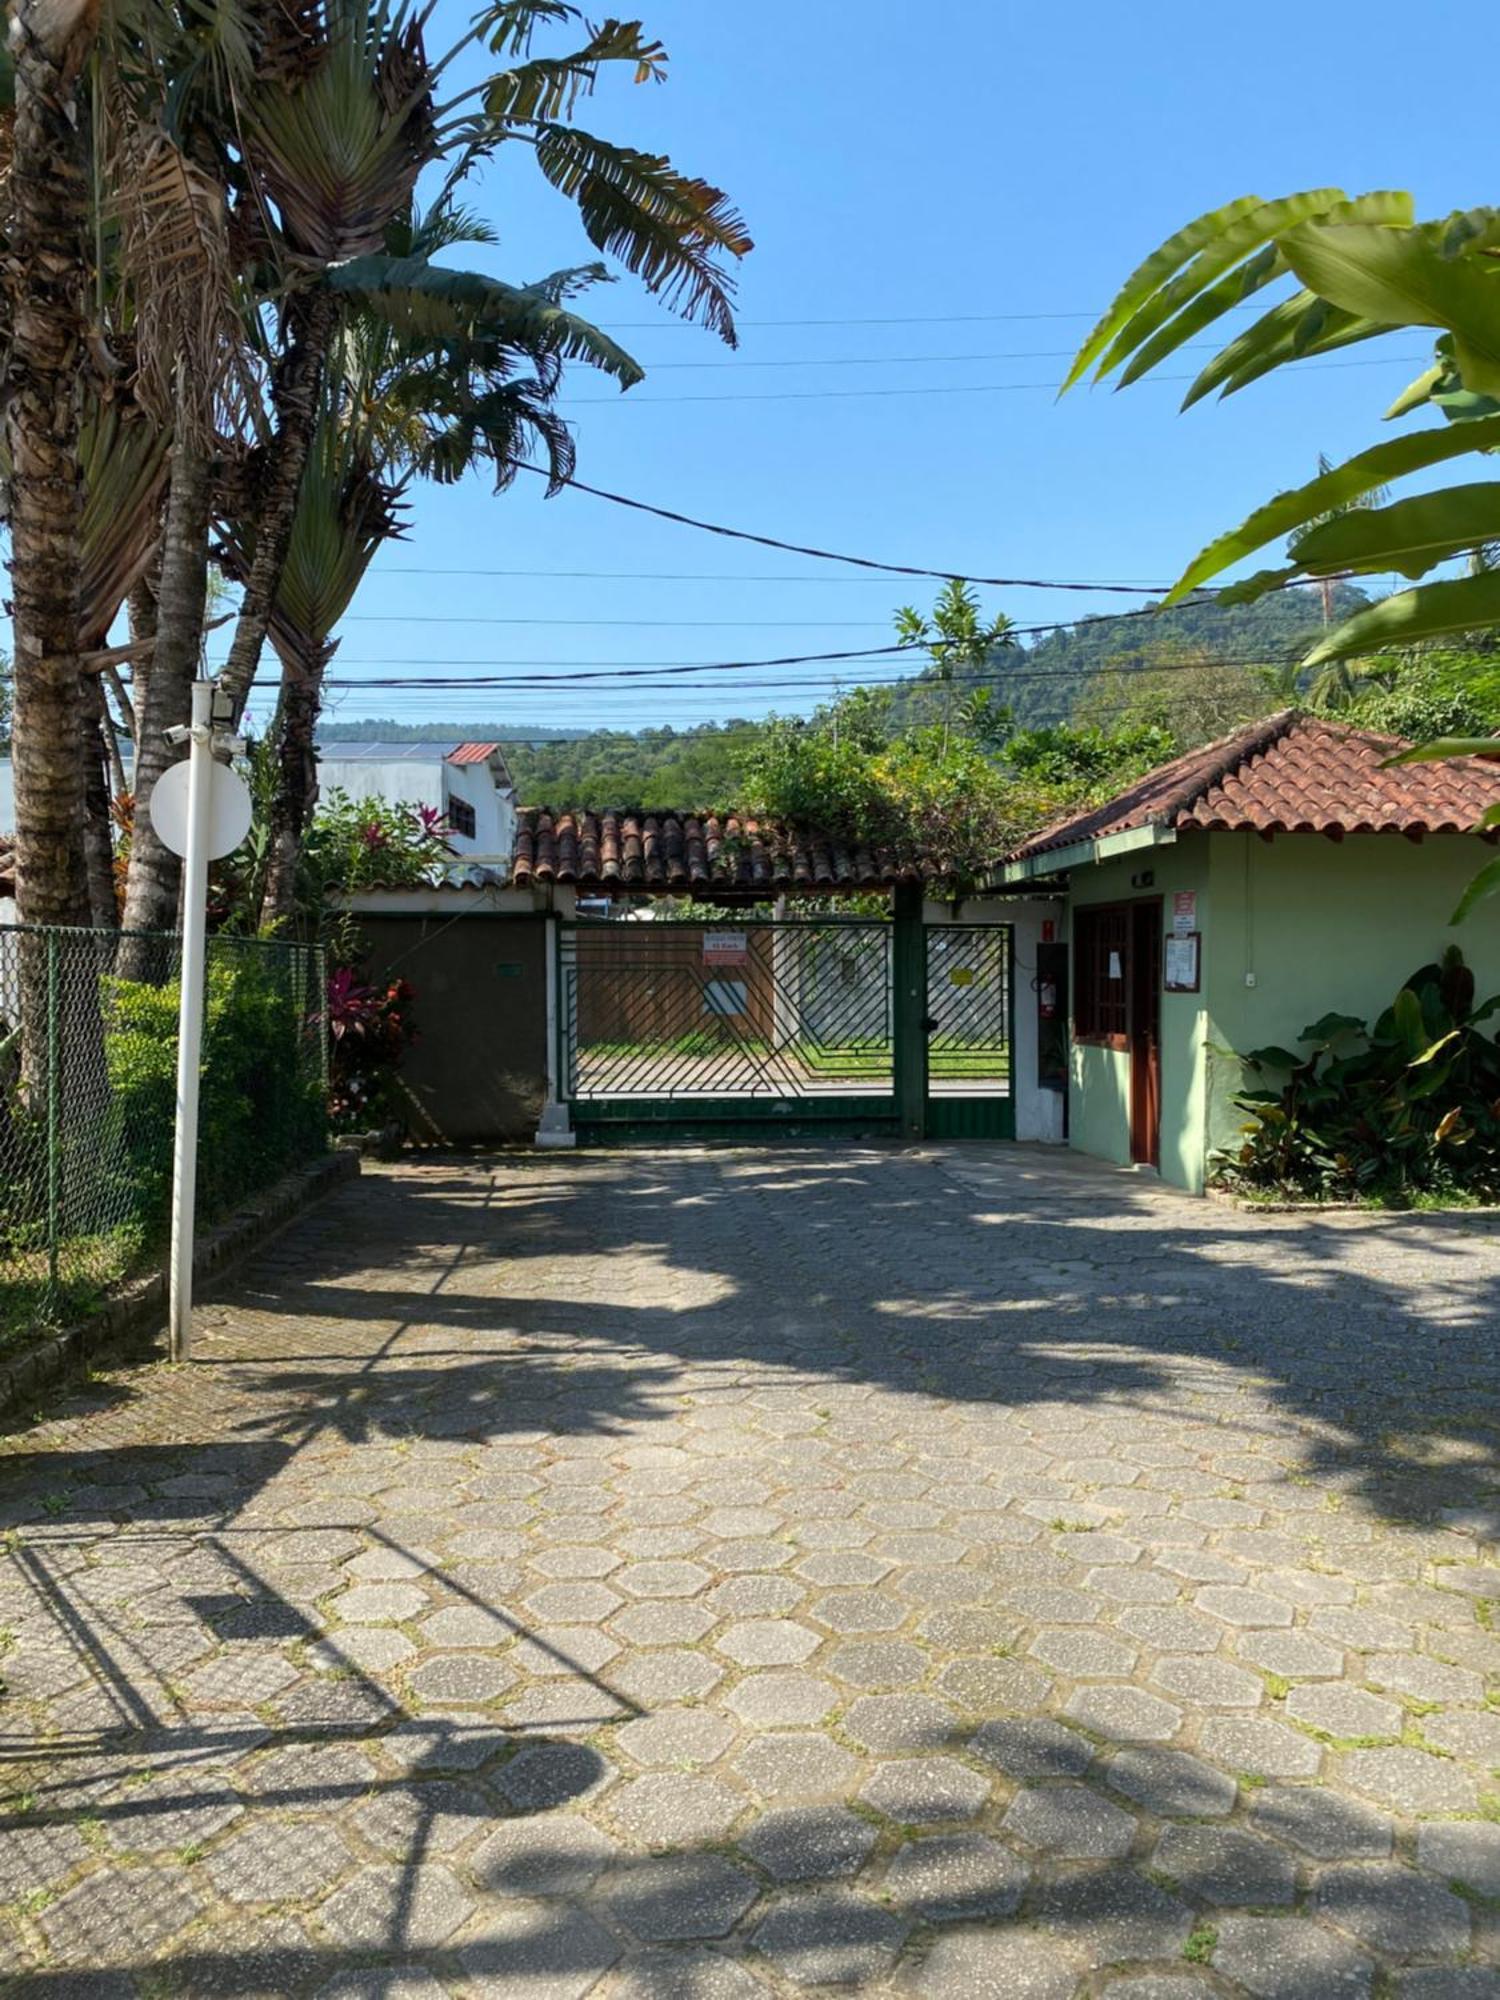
column 732, row 1029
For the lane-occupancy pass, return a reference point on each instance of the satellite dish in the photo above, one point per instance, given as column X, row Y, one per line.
column 228, row 809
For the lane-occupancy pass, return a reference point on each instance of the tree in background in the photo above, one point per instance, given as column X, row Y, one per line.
column 960, row 644
column 1188, row 699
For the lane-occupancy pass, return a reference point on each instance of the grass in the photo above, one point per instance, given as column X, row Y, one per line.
column 865, row 1060
column 1199, row 1949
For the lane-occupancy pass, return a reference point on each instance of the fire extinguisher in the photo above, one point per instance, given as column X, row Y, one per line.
column 1046, row 999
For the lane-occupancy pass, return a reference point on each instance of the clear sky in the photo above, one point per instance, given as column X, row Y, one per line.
column 942, row 197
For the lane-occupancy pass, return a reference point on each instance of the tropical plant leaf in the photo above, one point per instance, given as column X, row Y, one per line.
column 1444, row 747
column 1485, row 883
column 1301, row 327
column 1411, row 536
column 1400, row 276
column 1355, row 477
column 548, row 87
column 1460, row 604
column 1416, row 393
column 1148, row 277
column 660, row 224
column 430, row 300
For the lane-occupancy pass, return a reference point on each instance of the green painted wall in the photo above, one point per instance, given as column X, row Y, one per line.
column 1099, row 1088
column 1321, row 925
column 1327, row 926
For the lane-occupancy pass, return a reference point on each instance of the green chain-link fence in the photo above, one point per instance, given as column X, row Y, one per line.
column 88, row 1076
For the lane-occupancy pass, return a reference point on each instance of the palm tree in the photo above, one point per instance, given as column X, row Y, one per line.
column 46, row 284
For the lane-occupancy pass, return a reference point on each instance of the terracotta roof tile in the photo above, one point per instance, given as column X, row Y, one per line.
column 1291, row 773
column 471, row 753
column 671, row 852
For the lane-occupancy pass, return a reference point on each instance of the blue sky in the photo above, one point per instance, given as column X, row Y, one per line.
column 943, row 197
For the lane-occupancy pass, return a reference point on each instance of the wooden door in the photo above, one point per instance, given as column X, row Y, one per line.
column 1145, row 1033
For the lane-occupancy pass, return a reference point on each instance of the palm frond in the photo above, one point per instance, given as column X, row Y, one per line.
column 124, row 459
column 509, row 27
column 548, row 87
column 660, row 224
column 432, row 302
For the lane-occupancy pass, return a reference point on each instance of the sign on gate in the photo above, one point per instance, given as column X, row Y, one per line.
column 723, row 951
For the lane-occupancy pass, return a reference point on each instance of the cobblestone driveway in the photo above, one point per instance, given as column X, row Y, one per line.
column 963, row 1574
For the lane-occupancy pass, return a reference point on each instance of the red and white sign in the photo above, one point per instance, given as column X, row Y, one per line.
column 1185, row 912
column 724, row 950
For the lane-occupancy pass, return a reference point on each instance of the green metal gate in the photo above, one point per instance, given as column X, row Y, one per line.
column 730, row 1030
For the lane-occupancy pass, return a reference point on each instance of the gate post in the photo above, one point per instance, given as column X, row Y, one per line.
column 909, row 1008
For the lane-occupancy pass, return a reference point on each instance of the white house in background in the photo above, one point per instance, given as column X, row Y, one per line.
column 470, row 783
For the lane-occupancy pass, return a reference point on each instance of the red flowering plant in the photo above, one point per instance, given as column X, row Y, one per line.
column 370, row 1029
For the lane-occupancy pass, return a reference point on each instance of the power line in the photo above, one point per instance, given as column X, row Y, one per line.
column 901, row 360
column 696, row 624
column 723, row 576
column 925, row 389
column 910, row 319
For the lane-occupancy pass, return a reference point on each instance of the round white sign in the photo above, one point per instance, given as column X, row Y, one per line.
column 228, row 809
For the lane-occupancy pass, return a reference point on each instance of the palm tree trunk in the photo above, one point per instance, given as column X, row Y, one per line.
column 98, row 838
column 312, row 317
column 141, row 605
column 46, row 276
column 151, row 886
column 296, row 780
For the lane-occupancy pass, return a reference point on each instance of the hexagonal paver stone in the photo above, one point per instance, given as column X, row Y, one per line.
column 1366, row 1631
column 1161, row 1986
column 117, row 1917
column 1393, row 1910
column 1451, row 1982
column 1219, row 1864
column 756, row 1597
column 920, row 1791
column 433, row 1818
column 1081, row 1653
column 1466, row 1851
column 809, row 1843
column 575, row 1560
column 668, row 1809
column 1320, row 1822
column 1127, row 1714
column 858, row 1611
column 1208, row 1683
column 1338, row 1710
column 956, row 1875
column 671, row 1673
column 781, row 1699
column 463, row 1680
column 385, row 1908
column 551, row 1650
column 1170, row 1629
column 1070, row 1821
column 767, row 1642
column 1287, row 1958
column 1295, row 1656
column 831, row 1939
column 1263, row 1748
column 1410, row 1781
column 1032, row 1747
column 584, row 1603
column 877, row 1663
column 889, row 1723
column 1113, row 1914
column 1172, row 1784
column 668, row 1972
column 309, row 1777
column 999, row 1964
column 796, row 1766
column 240, row 1677
column 381, row 1603
column 1423, row 1679
column 559, row 1855
column 543, row 1775
column 663, row 1579
column 274, row 1861
column 552, row 1951
column 37, row 1857
column 678, row 1896
column 473, row 1625
column 663, row 1621
column 1236, row 1605
column 677, row 1736
column 386, row 1982
column 985, row 1686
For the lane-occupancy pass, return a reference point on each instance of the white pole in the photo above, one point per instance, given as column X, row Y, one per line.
column 190, row 1021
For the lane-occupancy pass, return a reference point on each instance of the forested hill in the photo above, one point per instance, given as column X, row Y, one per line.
column 1277, row 628
column 664, row 767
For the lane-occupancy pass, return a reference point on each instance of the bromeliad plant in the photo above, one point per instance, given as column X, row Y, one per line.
column 1407, row 1107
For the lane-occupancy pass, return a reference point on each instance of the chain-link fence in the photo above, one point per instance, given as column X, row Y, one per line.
column 88, row 1088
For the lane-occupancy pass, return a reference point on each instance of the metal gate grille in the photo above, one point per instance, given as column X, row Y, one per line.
column 667, row 1012
column 968, row 1003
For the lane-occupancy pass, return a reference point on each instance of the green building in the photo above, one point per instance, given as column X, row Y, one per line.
column 1235, row 895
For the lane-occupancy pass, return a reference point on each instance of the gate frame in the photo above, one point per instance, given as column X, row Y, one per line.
column 908, row 1111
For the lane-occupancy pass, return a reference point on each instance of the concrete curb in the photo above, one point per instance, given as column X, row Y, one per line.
column 133, row 1315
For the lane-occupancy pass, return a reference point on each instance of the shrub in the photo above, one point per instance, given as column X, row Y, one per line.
column 369, row 1030
column 1407, row 1107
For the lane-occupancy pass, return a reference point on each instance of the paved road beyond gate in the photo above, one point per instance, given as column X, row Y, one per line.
column 731, row 1028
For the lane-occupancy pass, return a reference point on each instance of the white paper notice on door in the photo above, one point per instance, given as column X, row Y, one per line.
column 1116, row 970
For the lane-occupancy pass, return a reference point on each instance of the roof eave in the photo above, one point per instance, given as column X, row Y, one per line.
column 1084, row 853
